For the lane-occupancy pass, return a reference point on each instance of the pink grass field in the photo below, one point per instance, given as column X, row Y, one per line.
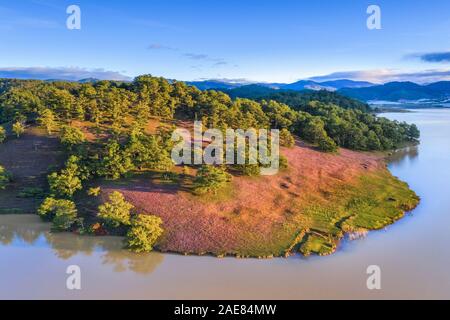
column 250, row 216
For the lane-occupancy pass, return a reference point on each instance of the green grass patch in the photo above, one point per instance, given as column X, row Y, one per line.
column 377, row 200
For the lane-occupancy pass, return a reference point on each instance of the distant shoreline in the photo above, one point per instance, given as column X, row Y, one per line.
column 403, row 108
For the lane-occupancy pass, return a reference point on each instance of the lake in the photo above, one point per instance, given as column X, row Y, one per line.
column 413, row 254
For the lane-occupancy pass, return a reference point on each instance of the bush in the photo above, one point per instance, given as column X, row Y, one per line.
column 210, row 178
column 5, row 178
column 116, row 212
column 62, row 213
column 18, row 128
column 66, row 183
column 116, row 162
column 47, row 120
column 144, row 232
column 327, row 144
column 71, row 136
column 95, row 192
column 2, row 134
column 148, row 152
column 283, row 164
column 250, row 170
column 286, row 139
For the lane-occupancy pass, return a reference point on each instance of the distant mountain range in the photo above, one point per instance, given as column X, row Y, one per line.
column 299, row 85
column 401, row 91
column 361, row 90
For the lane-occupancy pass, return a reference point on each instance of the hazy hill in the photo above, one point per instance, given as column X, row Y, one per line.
column 298, row 86
column 395, row 91
column 296, row 99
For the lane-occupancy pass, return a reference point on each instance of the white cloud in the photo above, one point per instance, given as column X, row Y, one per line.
column 61, row 73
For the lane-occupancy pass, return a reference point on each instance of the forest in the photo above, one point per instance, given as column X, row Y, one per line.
column 313, row 116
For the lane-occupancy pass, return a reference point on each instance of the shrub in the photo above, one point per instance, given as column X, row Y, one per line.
column 47, row 120
column 116, row 162
column 210, row 178
column 286, row 138
column 5, row 178
column 149, row 152
column 328, row 145
column 116, row 212
column 2, row 134
column 250, row 170
column 95, row 192
column 144, row 232
column 314, row 130
column 283, row 164
column 62, row 213
column 71, row 136
column 66, row 183
column 18, row 128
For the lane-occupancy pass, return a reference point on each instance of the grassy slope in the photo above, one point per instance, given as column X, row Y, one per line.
column 375, row 201
column 308, row 208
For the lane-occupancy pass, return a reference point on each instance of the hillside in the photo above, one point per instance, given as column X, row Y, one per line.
column 306, row 209
column 89, row 140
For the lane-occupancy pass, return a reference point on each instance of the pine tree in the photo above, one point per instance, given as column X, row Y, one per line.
column 144, row 232
column 18, row 128
column 47, row 120
column 116, row 211
column 68, row 181
column 210, row 179
column 2, row 134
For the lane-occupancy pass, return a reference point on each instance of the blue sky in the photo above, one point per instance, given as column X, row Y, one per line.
column 270, row 41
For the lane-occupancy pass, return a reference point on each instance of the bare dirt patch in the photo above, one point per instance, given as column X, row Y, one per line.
column 29, row 159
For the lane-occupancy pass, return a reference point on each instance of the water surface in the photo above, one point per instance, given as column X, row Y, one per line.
column 413, row 255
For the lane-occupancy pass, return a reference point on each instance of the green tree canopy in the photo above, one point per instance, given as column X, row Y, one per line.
column 116, row 211
column 5, row 178
column 47, row 120
column 2, row 134
column 71, row 136
column 61, row 212
column 210, row 179
column 68, row 181
column 18, row 128
column 144, row 232
column 116, row 162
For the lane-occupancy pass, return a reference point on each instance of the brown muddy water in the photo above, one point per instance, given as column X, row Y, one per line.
column 414, row 254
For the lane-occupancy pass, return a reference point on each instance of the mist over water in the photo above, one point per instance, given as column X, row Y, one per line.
column 413, row 254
